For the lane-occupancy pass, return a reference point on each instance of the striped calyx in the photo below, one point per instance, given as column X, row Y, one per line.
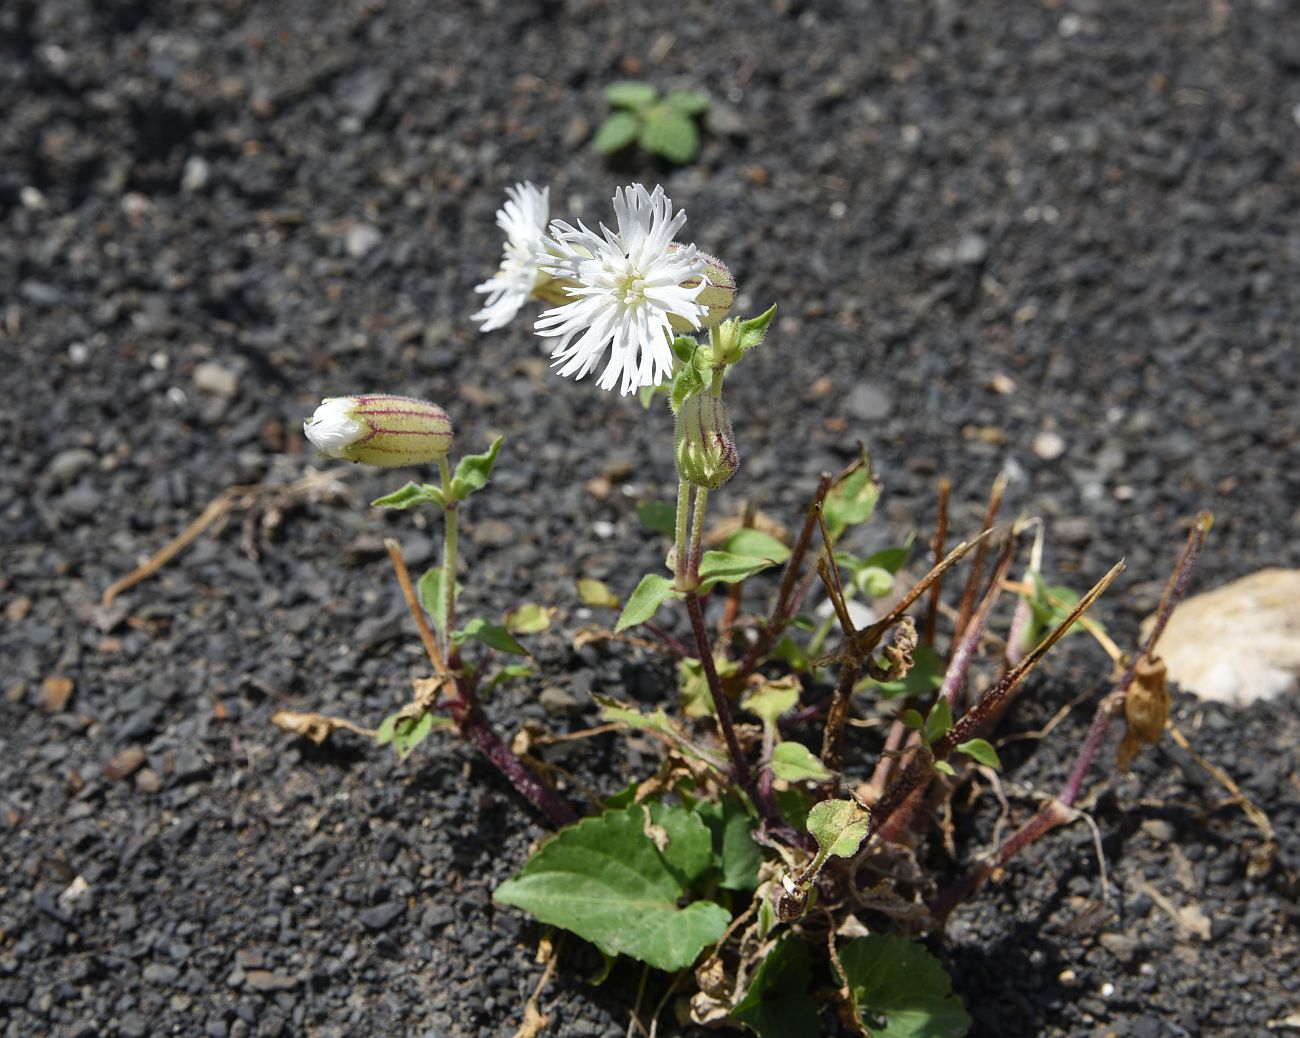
column 705, row 446
column 380, row 429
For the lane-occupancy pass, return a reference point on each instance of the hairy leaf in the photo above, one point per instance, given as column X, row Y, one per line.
column 631, row 94
column 618, row 131
column 670, row 134
column 433, row 597
column 528, row 618
column 851, row 502
column 733, row 842
column 794, row 762
column 937, row 722
column 722, row 567
column 494, row 636
column 473, row 470
column 650, row 594
column 687, row 102
column 757, row 543
column 901, row 990
column 596, row 593
column 658, row 517
column 839, row 827
column 777, row 1004
column 408, row 497
column 772, row 698
column 606, row 880
column 980, row 750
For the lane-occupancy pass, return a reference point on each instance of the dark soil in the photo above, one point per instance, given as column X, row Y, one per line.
column 981, row 221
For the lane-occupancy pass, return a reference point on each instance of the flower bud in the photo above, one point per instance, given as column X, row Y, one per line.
column 705, row 445
column 718, row 295
column 380, row 429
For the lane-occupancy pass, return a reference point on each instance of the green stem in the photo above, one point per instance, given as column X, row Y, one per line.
column 449, row 550
column 679, row 535
column 697, row 535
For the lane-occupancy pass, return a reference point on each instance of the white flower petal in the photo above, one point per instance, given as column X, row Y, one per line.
column 628, row 289
column 523, row 218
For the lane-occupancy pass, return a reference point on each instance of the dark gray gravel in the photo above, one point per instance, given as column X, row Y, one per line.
column 982, row 222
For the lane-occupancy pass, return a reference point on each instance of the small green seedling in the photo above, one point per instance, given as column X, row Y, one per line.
column 663, row 126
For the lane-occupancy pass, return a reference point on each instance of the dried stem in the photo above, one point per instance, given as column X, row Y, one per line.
column 787, row 600
column 921, row 767
column 1061, row 809
column 468, row 713
column 930, row 629
column 977, row 566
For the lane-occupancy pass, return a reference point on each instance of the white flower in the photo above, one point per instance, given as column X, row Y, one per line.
column 333, row 429
column 628, row 290
column 523, row 218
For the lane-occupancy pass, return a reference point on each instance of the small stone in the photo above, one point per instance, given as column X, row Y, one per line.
column 381, row 915
column 1120, row 945
column 1237, row 643
column 196, row 174
column 148, row 781
column 361, row 238
column 1075, row 530
column 868, row 403
column 212, row 378
column 123, row 764
column 266, row 980
column 1048, row 445
column 55, row 693
column 558, row 702
column 1158, row 829
column 161, row 973
column 971, row 250
column 1003, row 385
column 67, row 465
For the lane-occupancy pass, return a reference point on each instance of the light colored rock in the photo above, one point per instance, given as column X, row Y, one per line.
column 1237, row 643
column 1049, row 445
column 211, row 377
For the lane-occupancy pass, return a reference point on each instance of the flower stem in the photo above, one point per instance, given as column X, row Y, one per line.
column 721, row 705
column 451, row 513
column 679, row 532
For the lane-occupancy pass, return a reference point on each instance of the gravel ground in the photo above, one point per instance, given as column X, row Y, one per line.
column 1058, row 240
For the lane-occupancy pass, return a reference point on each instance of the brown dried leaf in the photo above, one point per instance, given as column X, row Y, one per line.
column 316, row 727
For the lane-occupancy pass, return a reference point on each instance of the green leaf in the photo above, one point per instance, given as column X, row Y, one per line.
column 408, row 497
column 606, row 880
column 721, row 567
column 596, row 593
column 794, row 762
column 618, row 131
column 839, row 827
column 670, row 134
column 528, row 618
column 892, row 559
column 685, row 347
column 406, row 732
column 925, row 675
column 773, row 698
column 733, row 842
column 874, row 581
column 433, row 597
column 980, row 750
column 751, row 332
column 901, row 990
column 790, row 651
column 494, row 636
column 912, row 719
column 687, row 382
column 758, row 544
column 658, row 517
column 794, row 806
column 631, row 94
column 508, row 673
column 473, row 470
column 646, row 394
column 937, row 722
column 944, row 766
column 687, row 102
column 851, row 502
column 777, row 1004
column 693, row 687
column 649, row 595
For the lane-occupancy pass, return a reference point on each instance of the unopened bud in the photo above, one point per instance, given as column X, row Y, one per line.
column 718, row 294
column 380, row 429
column 705, row 445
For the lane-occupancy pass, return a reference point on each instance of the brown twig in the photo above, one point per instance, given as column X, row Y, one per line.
column 930, row 630
column 413, row 604
column 977, row 564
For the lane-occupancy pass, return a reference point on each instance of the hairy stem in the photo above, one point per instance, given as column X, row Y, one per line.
column 679, row 533
column 449, row 543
